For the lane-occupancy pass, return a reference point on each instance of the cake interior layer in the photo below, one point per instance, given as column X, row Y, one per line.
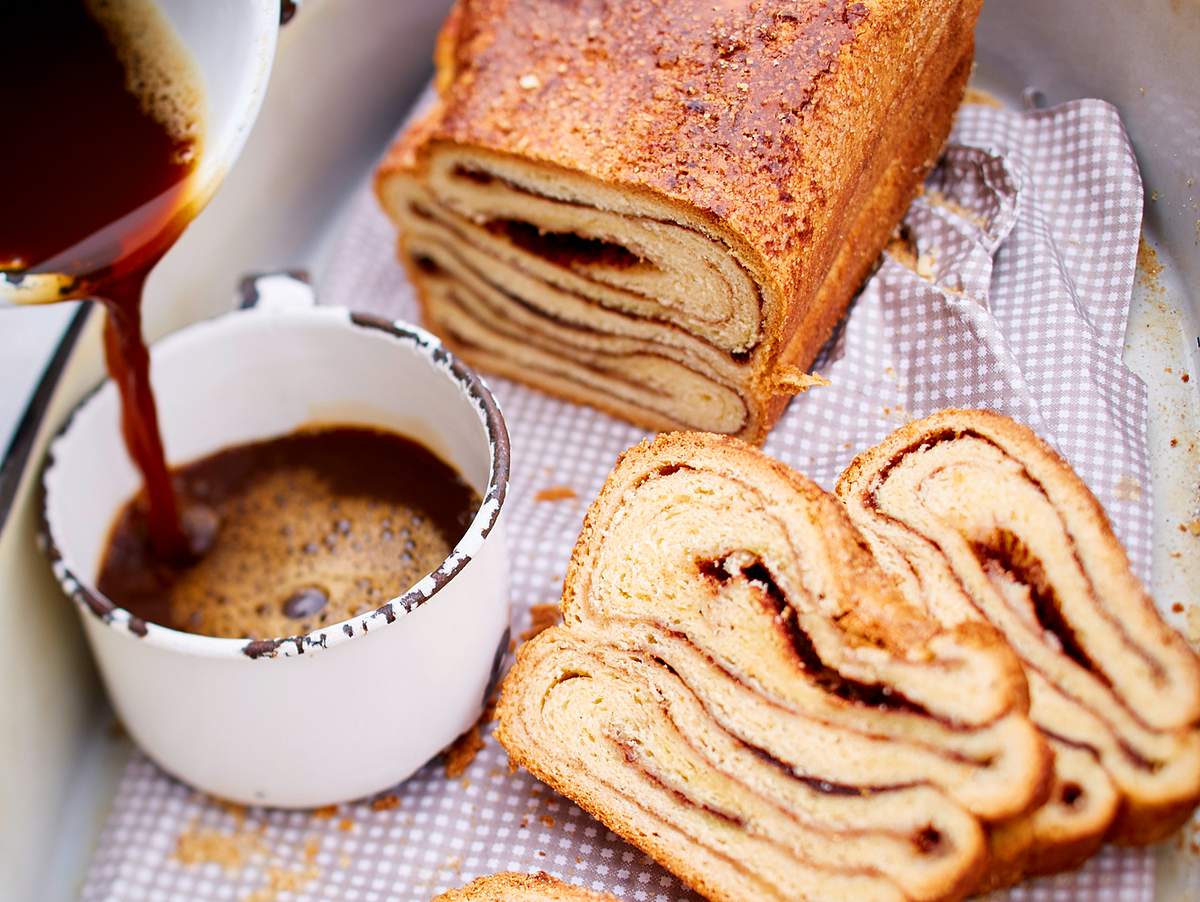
column 632, row 741
column 978, row 519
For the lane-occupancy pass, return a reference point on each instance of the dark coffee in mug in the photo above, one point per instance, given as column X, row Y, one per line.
column 299, row 531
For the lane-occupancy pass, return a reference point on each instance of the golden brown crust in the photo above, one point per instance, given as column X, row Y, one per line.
column 902, row 167
column 744, row 114
column 688, row 100
column 773, row 127
column 513, row 887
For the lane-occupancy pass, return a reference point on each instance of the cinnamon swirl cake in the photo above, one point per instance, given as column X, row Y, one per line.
column 979, row 520
column 663, row 208
column 741, row 692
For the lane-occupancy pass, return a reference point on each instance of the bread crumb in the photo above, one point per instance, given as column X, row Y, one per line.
column 1148, row 267
column 898, row 414
column 386, row 803
column 903, row 249
column 229, row 850
column 1192, row 526
column 791, row 380
column 312, row 847
column 345, row 825
column 541, row 618
column 233, row 809
column 982, row 98
column 547, row 820
column 1177, row 608
column 325, row 813
column 556, row 493
column 460, row 753
column 283, row 881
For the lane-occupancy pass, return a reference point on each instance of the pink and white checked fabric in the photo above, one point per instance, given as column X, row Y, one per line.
column 1028, row 235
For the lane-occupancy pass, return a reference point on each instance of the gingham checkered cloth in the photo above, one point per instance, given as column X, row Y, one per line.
column 1026, row 243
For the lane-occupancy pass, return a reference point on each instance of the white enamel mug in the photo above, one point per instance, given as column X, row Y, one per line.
column 353, row 707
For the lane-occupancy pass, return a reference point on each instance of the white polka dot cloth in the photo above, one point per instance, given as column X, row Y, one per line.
column 1025, row 249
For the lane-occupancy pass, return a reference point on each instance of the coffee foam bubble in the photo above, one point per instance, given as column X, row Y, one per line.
column 159, row 71
column 291, row 532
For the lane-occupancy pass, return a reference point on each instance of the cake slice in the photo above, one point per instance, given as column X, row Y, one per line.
column 539, row 887
column 663, row 208
column 741, row 692
column 979, row 520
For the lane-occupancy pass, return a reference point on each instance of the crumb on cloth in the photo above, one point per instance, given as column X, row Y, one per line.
column 982, row 98
column 196, row 846
column 280, row 880
column 556, row 493
column 903, row 249
column 462, row 751
column 234, row 809
column 312, row 848
column 387, row 802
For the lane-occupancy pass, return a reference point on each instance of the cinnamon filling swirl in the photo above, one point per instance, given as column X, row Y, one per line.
column 736, row 683
column 978, row 520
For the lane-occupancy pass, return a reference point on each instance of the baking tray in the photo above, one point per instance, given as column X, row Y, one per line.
column 345, row 73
